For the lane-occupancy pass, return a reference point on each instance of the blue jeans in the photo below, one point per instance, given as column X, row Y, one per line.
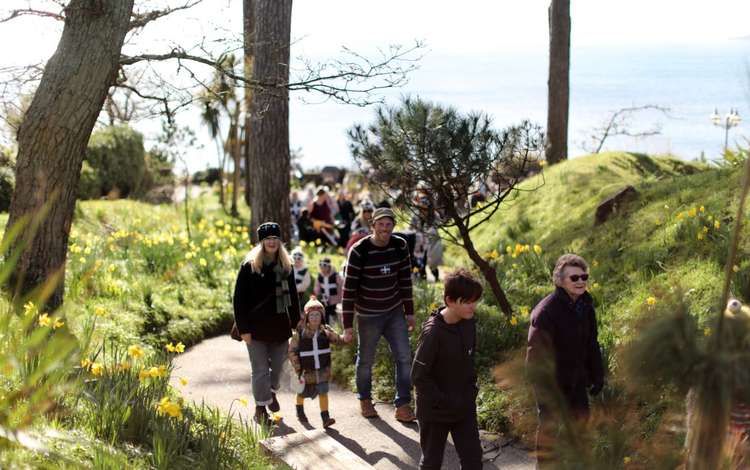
column 392, row 326
column 266, row 360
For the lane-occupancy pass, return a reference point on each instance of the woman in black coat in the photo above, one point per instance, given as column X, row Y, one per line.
column 266, row 309
column 563, row 357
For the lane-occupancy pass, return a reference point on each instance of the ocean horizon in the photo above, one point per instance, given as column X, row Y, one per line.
column 690, row 80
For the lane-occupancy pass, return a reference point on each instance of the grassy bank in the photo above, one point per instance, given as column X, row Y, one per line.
column 88, row 386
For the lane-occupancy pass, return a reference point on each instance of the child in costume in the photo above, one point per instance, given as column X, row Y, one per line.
column 301, row 273
column 329, row 288
column 310, row 355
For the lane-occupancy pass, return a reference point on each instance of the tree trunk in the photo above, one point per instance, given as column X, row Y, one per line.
column 558, row 83
column 237, row 154
column 248, row 13
column 269, row 124
column 53, row 136
column 486, row 269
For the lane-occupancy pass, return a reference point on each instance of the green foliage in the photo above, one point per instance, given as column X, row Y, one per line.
column 117, row 158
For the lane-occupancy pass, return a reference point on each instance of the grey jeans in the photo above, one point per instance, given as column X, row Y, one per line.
column 266, row 361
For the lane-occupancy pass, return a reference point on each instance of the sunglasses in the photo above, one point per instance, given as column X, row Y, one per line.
column 582, row 277
column 298, row 257
column 324, row 264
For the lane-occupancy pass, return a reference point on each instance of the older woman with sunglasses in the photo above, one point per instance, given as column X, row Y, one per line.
column 266, row 309
column 563, row 358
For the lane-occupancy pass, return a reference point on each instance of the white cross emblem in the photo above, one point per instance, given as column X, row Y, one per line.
column 385, row 270
column 315, row 353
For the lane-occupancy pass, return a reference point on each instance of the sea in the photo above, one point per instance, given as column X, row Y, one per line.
column 689, row 81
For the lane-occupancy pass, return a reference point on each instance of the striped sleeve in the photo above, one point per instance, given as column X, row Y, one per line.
column 351, row 284
column 404, row 281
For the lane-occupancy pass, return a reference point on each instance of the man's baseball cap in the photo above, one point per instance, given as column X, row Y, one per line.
column 381, row 212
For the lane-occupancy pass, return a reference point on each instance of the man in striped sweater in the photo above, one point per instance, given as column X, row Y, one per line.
column 377, row 285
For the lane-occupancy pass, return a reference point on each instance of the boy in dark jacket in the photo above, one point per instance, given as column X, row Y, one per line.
column 444, row 376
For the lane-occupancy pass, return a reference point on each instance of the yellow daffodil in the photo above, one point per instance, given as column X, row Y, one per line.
column 702, row 209
column 707, row 331
column 415, row 269
column 135, row 351
column 542, row 163
column 514, row 320
column 705, row 229
column 524, row 311
column 143, row 375
column 183, row 381
column 243, row 401
column 595, row 263
column 203, row 262
column 626, row 460
column 594, row 286
column 508, row 249
column 153, row 372
column 657, row 222
column 168, row 407
column 651, row 301
column 169, row 347
column 538, row 249
column 57, row 323
column 162, row 370
column 44, row 320
column 717, row 224
column 700, row 236
column 433, row 306
column 123, row 366
column 179, row 347
column 692, row 212
column 302, row 243
column 100, row 312
column 680, row 215
column 29, row 308
column 317, row 241
column 97, row 369
column 81, row 260
column 85, row 363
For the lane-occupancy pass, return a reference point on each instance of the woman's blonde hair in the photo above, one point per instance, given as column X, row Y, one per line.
column 255, row 258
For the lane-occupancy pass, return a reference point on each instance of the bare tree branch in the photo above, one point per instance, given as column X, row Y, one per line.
column 139, row 20
column 618, row 124
column 31, row 12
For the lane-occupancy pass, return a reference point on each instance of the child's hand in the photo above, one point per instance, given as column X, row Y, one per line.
column 348, row 335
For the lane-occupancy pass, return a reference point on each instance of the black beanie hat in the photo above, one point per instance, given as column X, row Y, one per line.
column 269, row 229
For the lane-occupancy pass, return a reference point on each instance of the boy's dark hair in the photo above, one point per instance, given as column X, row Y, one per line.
column 462, row 285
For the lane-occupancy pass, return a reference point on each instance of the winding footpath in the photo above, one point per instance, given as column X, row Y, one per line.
column 218, row 373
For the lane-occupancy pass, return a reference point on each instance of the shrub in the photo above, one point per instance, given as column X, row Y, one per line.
column 7, row 185
column 117, row 158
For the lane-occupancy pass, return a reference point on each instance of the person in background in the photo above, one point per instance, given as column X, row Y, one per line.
column 563, row 350
column 444, row 376
column 364, row 218
column 329, row 288
column 266, row 309
column 346, row 216
column 301, row 273
column 321, row 212
column 310, row 356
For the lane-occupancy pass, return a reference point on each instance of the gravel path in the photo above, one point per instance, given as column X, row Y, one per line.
column 218, row 372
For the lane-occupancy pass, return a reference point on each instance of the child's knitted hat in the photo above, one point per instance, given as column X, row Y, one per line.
column 314, row 304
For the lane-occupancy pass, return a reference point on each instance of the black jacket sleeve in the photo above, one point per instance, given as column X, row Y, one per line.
column 294, row 309
column 421, row 370
column 243, row 299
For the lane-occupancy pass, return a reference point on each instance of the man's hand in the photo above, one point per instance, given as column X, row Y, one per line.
column 348, row 335
column 247, row 338
column 411, row 322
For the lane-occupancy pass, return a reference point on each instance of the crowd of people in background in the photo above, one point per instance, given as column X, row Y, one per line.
column 336, row 223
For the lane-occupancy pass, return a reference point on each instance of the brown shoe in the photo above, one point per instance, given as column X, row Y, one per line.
column 368, row 409
column 405, row 414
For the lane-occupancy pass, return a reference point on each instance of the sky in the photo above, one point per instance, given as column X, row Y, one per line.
column 473, row 30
